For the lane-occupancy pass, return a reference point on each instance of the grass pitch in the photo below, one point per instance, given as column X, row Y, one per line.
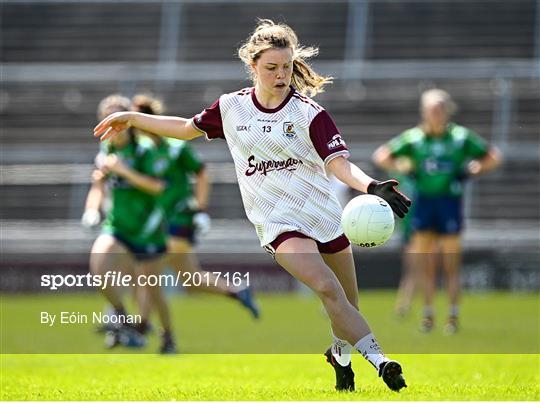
column 119, row 375
column 261, row 377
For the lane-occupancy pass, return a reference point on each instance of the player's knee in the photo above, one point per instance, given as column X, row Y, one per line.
column 98, row 263
column 326, row 288
column 451, row 244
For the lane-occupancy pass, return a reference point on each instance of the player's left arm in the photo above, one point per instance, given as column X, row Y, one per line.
column 349, row 173
column 352, row 175
column 489, row 162
column 484, row 156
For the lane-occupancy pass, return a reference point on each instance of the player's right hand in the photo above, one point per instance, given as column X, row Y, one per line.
column 202, row 223
column 90, row 219
column 112, row 125
column 404, row 165
column 98, row 175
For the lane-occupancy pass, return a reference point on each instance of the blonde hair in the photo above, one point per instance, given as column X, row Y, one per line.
column 435, row 96
column 117, row 101
column 147, row 103
column 271, row 35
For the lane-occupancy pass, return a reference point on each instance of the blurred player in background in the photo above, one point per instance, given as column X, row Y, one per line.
column 133, row 237
column 281, row 142
column 185, row 206
column 408, row 282
column 441, row 155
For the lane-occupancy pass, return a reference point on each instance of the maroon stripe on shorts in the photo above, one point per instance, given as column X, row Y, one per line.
column 333, row 246
column 284, row 236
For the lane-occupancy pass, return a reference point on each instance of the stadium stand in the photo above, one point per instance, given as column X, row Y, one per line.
column 41, row 32
column 451, row 29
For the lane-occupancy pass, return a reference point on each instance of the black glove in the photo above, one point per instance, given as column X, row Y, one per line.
column 386, row 190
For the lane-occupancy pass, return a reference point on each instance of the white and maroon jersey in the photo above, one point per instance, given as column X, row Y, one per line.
column 280, row 155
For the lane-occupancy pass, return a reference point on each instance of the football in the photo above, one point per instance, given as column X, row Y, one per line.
column 368, row 221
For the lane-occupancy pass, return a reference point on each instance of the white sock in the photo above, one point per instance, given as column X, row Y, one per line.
column 454, row 311
column 341, row 350
column 370, row 349
column 428, row 311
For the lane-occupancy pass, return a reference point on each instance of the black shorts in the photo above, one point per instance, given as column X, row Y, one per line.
column 141, row 253
column 186, row 232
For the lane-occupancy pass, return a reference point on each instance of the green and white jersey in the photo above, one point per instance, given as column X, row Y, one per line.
column 177, row 197
column 439, row 162
column 134, row 214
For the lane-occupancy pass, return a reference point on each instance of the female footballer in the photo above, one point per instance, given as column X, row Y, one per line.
column 281, row 142
column 441, row 155
column 133, row 236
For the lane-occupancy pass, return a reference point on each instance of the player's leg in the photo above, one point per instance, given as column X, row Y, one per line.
column 301, row 258
column 109, row 254
column 424, row 223
column 449, row 227
column 451, row 262
column 422, row 247
column 339, row 354
column 155, row 297
column 342, row 264
column 408, row 282
column 182, row 257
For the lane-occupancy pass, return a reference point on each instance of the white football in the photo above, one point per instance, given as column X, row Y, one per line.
column 367, row 221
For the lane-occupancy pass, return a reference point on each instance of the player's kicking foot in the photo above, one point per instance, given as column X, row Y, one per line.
column 451, row 326
column 245, row 297
column 344, row 374
column 427, row 324
column 392, row 375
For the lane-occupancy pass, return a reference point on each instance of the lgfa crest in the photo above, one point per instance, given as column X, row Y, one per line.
column 288, row 129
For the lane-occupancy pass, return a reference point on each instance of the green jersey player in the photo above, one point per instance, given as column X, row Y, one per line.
column 441, row 154
column 133, row 237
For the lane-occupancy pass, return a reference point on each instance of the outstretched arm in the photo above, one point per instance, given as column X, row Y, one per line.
column 166, row 126
column 353, row 176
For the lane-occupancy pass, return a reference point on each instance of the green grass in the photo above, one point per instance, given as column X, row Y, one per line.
column 492, row 323
column 261, row 377
column 289, row 324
